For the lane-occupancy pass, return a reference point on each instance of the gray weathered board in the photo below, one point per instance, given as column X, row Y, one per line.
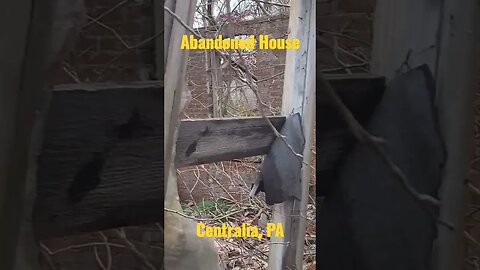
column 210, row 140
column 83, row 120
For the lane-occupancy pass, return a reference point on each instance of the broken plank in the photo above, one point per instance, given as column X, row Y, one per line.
column 212, row 140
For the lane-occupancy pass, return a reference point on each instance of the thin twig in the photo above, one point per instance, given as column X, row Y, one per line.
column 271, row 77
column 124, row 43
column 50, row 252
column 203, row 219
column 97, row 257
column 127, row 49
column 108, row 249
column 471, row 238
column 473, row 188
column 273, row 3
column 105, row 13
column 48, row 258
column 343, row 36
column 72, row 75
column 121, row 234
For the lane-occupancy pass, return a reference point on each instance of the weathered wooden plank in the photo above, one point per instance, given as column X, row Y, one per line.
column 456, row 78
column 93, row 87
column 225, row 139
column 109, row 141
column 211, row 140
column 25, row 55
column 299, row 96
column 403, row 26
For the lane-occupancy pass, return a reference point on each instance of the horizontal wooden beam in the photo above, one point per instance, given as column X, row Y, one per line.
column 101, row 164
column 212, row 140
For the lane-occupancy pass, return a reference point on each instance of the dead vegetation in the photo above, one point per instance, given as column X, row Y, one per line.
column 218, row 194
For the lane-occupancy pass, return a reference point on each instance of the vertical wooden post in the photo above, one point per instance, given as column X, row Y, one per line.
column 158, row 16
column 183, row 249
column 24, row 53
column 401, row 26
column 298, row 96
column 455, row 78
column 175, row 65
column 440, row 34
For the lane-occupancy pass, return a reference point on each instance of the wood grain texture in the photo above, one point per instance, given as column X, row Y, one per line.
column 298, row 96
column 23, row 68
column 456, row 79
column 81, row 123
column 212, row 140
column 403, row 26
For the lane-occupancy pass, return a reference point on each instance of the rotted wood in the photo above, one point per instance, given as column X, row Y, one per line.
column 101, row 165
